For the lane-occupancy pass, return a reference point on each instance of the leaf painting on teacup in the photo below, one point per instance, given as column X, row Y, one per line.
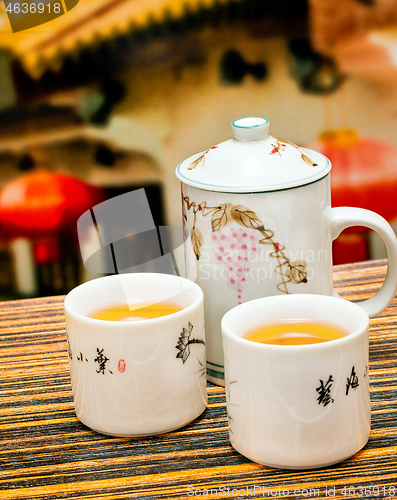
column 229, row 402
column 202, row 370
column 197, row 241
column 276, row 147
column 198, row 160
column 201, row 158
column 184, row 343
column 281, row 145
column 221, row 217
column 225, row 213
column 308, row 160
column 297, row 271
column 246, row 217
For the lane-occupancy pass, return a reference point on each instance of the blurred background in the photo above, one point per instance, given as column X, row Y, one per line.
column 111, row 96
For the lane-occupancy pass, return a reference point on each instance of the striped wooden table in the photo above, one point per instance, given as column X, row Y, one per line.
column 46, row 453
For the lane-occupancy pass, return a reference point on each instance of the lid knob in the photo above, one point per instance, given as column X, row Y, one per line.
column 252, row 128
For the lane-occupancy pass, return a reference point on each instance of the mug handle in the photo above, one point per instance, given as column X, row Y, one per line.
column 343, row 217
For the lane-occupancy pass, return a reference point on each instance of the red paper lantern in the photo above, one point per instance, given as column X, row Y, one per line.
column 364, row 174
column 364, row 171
column 42, row 203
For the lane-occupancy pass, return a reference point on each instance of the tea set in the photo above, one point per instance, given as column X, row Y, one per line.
column 258, row 228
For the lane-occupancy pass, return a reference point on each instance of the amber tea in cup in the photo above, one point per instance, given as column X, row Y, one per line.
column 134, row 312
column 295, row 332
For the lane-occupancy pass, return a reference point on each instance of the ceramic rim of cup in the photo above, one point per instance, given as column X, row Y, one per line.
column 85, row 287
column 230, row 318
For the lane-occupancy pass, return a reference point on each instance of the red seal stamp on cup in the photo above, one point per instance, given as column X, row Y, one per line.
column 121, row 366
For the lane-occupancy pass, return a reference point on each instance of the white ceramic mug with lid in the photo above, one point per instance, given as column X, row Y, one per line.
column 258, row 220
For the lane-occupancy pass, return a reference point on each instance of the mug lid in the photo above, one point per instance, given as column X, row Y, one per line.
column 253, row 161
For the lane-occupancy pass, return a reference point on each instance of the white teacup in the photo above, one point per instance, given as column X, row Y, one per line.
column 137, row 378
column 297, row 406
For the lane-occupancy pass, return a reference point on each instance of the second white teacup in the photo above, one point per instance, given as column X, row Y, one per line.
column 297, row 406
